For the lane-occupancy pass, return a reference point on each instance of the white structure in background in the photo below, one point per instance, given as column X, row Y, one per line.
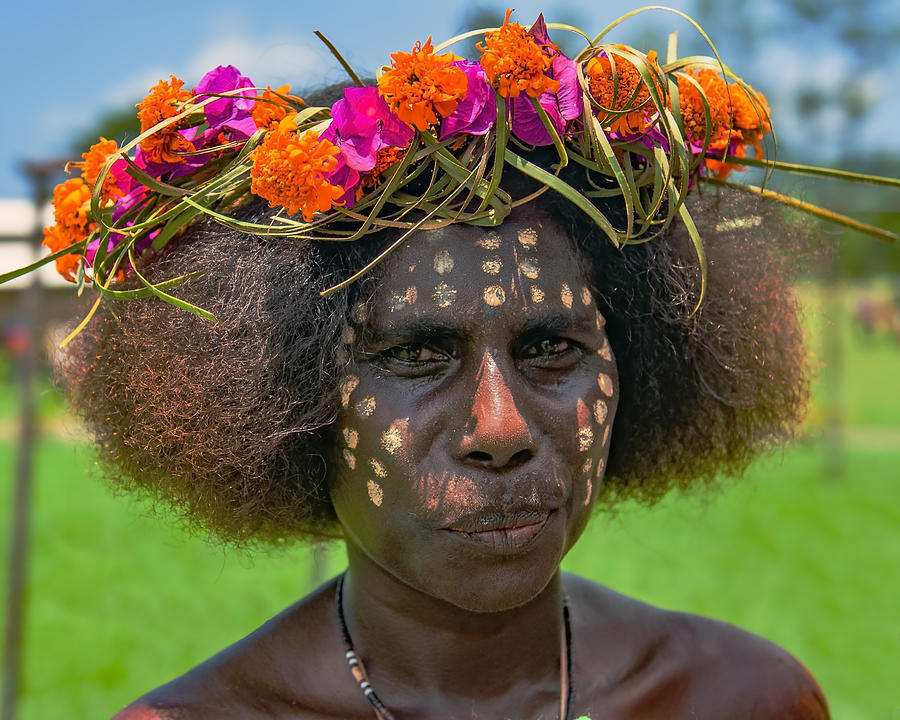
column 17, row 226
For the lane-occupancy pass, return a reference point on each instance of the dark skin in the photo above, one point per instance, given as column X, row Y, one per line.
column 473, row 437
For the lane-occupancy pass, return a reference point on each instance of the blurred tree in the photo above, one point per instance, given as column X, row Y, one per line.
column 120, row 125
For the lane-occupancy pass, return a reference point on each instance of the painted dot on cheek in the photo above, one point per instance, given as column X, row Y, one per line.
column 605, row 383
column 350, row 459
column 347, row 387
column 585, row 434
column 492, row 266
column 605, row 351
column 586, row 296
column 378, row 468
column 443, row 262
column 376, row 494
column 600, row 320
column 444, row 295
column 600, row 411
column 366, row 406
column 588, row 464
column 527, row 238
column 565, row 294
column 394, row 438
column 494, row 295
column 537, row 295
column 600, row 466
column 606, row 435
column 351, row 437
column 530, row 269
column 590, row 491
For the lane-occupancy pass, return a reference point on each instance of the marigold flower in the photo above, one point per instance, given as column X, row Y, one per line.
column 692, row 109
column 420, row 83
column 749, row 116
column 290, row 169
column 160, row 104
column 515, row 62
column 629, row 93
column 269, row 108
column 71, row 202
column 92, row 163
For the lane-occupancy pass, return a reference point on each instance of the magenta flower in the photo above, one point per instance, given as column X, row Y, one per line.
column 476, row 114
column 566, row 104
column 228, row 114
column 362, row 124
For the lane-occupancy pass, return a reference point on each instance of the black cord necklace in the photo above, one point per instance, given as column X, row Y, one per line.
column 358, row 671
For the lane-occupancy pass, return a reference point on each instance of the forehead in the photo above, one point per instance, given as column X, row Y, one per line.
column 525, row 267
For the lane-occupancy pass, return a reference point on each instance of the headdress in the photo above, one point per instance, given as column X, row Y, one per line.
column 424, row 147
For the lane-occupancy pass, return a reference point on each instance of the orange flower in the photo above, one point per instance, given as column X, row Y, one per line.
column 266, row 113
column 289, row 169
column 514, row 62
column 421, row 82
column 71, row 202
column 692, row 110
column 750, row 116
column 93, row 162
column 631, row 93
column 163, row 103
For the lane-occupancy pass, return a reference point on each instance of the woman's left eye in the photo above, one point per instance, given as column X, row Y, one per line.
column 413, row 353
column 547, row 348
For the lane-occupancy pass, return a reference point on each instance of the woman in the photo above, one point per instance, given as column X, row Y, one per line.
column 450, row 414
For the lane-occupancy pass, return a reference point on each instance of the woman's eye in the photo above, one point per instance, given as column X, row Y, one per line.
column 548, row 347
column 413, row 353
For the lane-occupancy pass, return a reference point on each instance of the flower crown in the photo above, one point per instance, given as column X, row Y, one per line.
column 643, row 131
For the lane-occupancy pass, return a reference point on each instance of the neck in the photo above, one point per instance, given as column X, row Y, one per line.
column 419, row 650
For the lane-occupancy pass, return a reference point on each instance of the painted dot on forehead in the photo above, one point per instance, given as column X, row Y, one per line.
column 494, row 295
column 443, row 262
column 585, row 434
column 527, row 237
column 376, row 494
column 359, row 313
column 351, row 437
column 606, row 384
column 490, row 241
column 600, row 411
column 444, row 295
column 347, row 387
column 366, row 406
column 537, row 295
column 529, row 268
column 349, row 335
column 402, row 298
column 378, row 468
column 492, row 266
column 586, row 297
column 350, row 459
column 565, row 294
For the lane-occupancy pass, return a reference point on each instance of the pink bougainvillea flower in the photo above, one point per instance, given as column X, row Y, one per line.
column 233, row 114
column 562, row 106
column 362, row 124
column 476, row 114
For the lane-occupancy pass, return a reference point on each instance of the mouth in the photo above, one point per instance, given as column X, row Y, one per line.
column 504, row 533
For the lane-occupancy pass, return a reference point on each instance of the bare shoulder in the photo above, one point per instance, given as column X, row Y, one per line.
column 273, row 672
column 657, row 663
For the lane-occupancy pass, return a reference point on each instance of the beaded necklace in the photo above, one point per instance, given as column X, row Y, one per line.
column 358, row 670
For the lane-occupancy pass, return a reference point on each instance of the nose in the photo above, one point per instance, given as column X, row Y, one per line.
column 496, row 434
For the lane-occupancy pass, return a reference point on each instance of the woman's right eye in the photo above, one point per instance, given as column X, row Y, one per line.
column 414, row 353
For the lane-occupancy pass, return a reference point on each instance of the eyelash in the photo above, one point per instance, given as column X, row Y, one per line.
column 546, row 349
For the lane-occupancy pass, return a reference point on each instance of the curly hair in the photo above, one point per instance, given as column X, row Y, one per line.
column 231, row 423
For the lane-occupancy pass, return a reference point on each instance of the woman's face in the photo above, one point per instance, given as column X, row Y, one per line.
column 476, row 414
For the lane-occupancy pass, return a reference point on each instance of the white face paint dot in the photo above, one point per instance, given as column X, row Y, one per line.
column 443, row 262
column 393, row 438
column 351, row 437
column 492, row 266
column 347, row 387
column 605, row 351
column 444, row 295
column 402, row 298
column 350, row 459
column 366, row 406
column 600, row 320
column 606, row 435
column 537, row 295
column 600, row 466
column 491, row 241
column 586, row 296
column 359, row 314
column 606, row 384
column 565, row 294
column 585, row 435
column 588, row 464
column 590, row 491
column 376, row 494
column 530, row 269
column 527, row 238
column 378, row 468
column 600, row 411
column 494, row 295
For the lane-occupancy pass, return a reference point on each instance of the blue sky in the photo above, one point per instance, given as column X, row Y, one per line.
column 69, row 62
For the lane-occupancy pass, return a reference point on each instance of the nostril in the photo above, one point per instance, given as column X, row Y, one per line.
column 519, row 458
column 483, row 458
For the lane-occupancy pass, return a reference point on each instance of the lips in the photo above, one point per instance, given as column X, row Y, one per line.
column 506, row 532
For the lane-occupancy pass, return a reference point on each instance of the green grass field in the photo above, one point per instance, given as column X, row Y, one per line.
column 118, row 602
